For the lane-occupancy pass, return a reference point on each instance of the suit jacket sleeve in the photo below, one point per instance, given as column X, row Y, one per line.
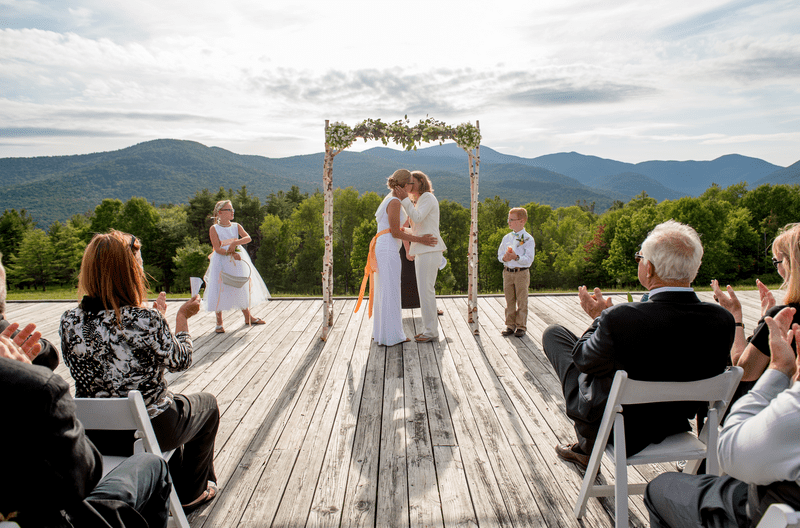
column 593, row 353
column 425, row 205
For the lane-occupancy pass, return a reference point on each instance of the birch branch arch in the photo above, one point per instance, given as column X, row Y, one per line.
column 339, row 137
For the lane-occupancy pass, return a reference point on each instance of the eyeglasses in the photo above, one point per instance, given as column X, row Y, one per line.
column 513, row 219
column 776, row 262
column 231, row 210
column 133, row 242
column 638, row 257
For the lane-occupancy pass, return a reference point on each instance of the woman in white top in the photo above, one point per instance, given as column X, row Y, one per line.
column 228, row 258
column 424, row 215
column 387, row 322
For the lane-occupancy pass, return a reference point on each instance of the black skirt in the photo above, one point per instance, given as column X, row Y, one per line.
column 409, row 294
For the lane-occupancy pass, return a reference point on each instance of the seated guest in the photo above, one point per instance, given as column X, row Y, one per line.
column 113, row 343
column 51, row 471
column 758, row 451
column 753, row 354
column 47, row 357
column 671, row 337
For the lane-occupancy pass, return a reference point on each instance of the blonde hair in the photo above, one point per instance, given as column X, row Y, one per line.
column 219, row 205
column 111, row 272
column 521, row 211
column 424, row 182
column 787, row 243
column 399, row 178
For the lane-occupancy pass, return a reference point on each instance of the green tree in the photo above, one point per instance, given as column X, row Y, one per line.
column 272, row 260
column 190, row 260
column 31, row 265
column 454, row 223
column 306, row 246
column 362, row 235
column 492, row 216
column 200, row 207
column 13, row 226
column 249, row 214
column 67, row 252
column 106, row 216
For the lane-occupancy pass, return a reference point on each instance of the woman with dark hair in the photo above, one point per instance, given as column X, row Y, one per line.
column 753, row 354
column 113, row 343
column 424, row 215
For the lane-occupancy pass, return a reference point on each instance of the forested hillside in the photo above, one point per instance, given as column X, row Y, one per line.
column 171, row 172
column 575, row 245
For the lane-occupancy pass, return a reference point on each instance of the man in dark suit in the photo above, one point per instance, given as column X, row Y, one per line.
column 671, row 337
column 51, row 473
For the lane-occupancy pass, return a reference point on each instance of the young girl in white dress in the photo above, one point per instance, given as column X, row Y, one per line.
column 226, row 237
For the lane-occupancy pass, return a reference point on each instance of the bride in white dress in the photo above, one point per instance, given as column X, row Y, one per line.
column 228, row 258
column 387, row 322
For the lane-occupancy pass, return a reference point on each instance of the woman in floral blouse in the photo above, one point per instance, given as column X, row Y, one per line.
column 113, row 343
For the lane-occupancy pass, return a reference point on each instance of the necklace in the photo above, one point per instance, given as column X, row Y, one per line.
column 223, row 225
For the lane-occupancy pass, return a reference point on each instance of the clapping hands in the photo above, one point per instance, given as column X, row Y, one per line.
column 781, row 334
column 24, row 346
column 593, row 303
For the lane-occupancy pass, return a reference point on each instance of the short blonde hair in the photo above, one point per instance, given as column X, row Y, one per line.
column 399, row 178
column 521, row 211
column 424, row 182
column 787, row 243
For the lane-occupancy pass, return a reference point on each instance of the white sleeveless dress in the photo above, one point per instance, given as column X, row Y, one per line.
column 387, row 312
column 219, row 297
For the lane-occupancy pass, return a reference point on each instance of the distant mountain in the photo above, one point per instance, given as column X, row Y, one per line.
column 790, row 175
column 633, row 183
column 172, row 171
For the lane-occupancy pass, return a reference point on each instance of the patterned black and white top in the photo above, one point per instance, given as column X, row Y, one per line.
column 107, row 361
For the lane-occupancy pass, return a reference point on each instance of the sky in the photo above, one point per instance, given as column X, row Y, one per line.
column 626, row 80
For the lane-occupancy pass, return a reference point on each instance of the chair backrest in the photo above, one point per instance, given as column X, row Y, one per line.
column 119, row 414
column 718, row 388
column 779, row 516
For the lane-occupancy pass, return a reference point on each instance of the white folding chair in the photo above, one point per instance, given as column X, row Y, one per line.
column 718, row 391
column 780, row 516
column 126, row 414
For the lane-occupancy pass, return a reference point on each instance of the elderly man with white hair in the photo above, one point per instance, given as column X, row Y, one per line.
column 671, row 337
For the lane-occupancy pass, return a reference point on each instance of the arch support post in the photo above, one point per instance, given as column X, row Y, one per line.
column 327, row 231
column 472, row 279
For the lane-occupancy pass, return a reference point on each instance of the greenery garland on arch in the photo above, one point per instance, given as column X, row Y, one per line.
column 339, row 137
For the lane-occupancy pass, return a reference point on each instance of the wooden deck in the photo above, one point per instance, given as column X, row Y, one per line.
column 346, row 433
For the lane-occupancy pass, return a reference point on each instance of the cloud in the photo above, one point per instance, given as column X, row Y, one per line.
column 567, row 94
column 21, row 132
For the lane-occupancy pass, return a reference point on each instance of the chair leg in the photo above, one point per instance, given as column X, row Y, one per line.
column 176, row 509
column 620, row 475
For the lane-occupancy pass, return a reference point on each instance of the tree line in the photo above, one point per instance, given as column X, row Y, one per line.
column 574, row 245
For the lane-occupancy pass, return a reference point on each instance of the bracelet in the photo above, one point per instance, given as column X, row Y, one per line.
column 739, row 324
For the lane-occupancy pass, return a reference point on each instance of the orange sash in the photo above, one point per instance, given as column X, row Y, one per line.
column 369, row 269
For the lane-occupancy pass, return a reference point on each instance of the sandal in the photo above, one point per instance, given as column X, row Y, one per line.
column 219, row 329
column 255, row 321
column 207, row 496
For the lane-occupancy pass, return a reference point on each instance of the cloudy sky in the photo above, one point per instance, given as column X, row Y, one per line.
column 628, row 80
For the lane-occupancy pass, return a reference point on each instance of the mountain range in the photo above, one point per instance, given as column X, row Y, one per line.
column 53, row 188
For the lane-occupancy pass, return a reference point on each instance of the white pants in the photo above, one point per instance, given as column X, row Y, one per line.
column 427, row 268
